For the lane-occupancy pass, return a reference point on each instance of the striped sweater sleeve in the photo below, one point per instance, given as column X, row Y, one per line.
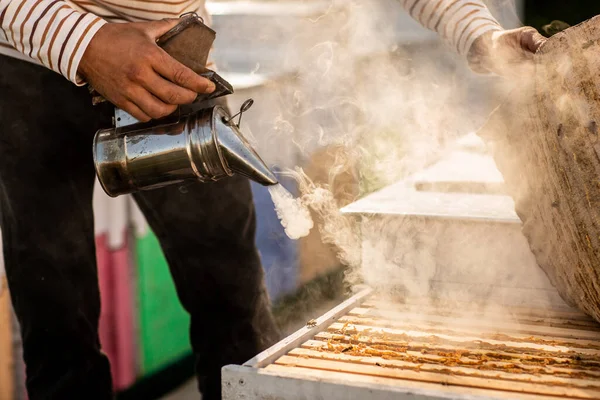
column 49, row 31
column 459, row 22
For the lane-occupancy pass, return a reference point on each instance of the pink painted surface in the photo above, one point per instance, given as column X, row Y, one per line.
column 25, row 395
column 125, row 373
column 107, row 319
column 114, row 275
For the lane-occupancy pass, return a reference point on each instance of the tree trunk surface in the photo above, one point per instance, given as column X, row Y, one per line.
column 545, row 141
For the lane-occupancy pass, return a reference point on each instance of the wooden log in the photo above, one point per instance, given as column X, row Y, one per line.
column 545, row 140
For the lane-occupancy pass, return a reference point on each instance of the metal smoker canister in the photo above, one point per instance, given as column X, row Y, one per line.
column 205, row 146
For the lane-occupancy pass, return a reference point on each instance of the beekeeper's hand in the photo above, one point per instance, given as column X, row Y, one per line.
column 125, row 65
column 506, row 53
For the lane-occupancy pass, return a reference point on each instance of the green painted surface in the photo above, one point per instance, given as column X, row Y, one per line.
column 164, row 324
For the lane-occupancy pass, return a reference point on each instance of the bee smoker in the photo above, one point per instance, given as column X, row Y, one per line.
column 197, row 142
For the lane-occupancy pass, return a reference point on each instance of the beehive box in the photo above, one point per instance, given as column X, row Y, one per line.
column 375, row 348
column 460, row 309
column 451, row 230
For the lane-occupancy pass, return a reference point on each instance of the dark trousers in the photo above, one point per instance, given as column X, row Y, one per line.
column 46, row 182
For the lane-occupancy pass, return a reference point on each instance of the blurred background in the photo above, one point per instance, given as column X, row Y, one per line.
column 354, row 92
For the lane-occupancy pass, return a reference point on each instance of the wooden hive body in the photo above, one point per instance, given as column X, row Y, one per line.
column 544, row 139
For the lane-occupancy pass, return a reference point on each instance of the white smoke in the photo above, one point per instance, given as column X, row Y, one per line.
column 392, row 109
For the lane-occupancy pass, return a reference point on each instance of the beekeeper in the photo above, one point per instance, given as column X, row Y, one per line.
column 46, row 179
column 47, row 124
column 469, row 28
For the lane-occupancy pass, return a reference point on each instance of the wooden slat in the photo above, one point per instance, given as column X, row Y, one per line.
column 383, row 299
column 467, row 371
column 396, row 389
column 476, row 350
column 549, row 322
column 509, row 342
column 498, row 325
column 417, row 359
column 449, row 304
column 297, row 338
column 442, row 378
column 532, row 314
column 582, row 338
column 537, row 354
column 502, row 315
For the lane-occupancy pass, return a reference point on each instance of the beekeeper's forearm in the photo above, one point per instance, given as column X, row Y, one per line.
column 49, row 31
column 459, row 22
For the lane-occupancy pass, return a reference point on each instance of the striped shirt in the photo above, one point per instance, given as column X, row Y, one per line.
column 56, row 33
column 458, row 22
